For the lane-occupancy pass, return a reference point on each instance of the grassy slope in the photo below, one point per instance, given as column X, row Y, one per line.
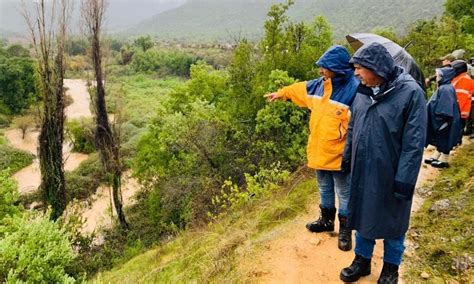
column 212, row 254
column 204, row 20
column 445, row 238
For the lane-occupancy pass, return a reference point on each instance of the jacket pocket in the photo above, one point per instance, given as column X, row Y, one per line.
column 333, row 128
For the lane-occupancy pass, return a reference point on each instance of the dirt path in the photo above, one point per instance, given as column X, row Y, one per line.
column 291, row 254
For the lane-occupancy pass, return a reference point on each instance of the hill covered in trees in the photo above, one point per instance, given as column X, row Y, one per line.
column 203, row 20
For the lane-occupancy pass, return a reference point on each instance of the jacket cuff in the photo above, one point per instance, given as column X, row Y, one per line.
column 403, row 191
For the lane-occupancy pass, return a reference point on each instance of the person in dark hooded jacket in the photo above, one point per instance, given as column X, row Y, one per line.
column 444, row 119
column 329, row 99
column 385, row 143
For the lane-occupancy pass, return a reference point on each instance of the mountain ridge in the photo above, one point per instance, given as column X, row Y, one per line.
column 208, row 20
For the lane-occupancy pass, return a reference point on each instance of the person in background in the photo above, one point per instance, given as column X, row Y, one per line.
column 385, row 143
column 444, row 121
column 447, row 59
column 471, row 67
column 329, row 99
column 445, row 62
column 464, row 86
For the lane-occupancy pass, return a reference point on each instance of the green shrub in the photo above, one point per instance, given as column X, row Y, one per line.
column 165, row 62
column 130, row 137
column 17, row 83
column 281, row 134
column 9, row 197
column 4, row 120
column 14, row 159
column 83, row 181
column 184, row 159
column 82, row 135
column 281, row 130
column 36, row 250
column 5, row 113
column 3, row 141
column 233, row 197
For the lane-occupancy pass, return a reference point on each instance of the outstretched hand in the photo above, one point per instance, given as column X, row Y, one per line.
column 272, row 96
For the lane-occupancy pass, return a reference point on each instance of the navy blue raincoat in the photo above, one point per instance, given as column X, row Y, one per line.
column 444, row 118
column 385, row 144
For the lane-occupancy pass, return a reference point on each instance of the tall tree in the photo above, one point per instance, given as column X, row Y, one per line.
column 463, row 11
column 93, row 12
column 48, row 25
column 273, row 43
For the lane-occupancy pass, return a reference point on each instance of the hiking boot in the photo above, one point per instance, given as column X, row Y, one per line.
column 325, row 223
column 439, row 164
column 434, row 157
column 389, row 274
column 344, row 242
column 360, row 267
column 430, row 160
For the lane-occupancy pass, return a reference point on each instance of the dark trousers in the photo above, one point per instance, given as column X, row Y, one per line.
column 392, row 248
column 469, row 123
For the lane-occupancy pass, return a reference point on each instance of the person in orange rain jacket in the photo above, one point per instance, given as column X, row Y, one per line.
column 464, row 86
column 329, row 99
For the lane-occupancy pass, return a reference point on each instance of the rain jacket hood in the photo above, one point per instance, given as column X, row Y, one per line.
column 446, row 75
column 336, row 59
column 376, row 58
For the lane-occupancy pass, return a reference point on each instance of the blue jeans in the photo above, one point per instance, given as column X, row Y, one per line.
column 334, row 181
column 392, row 248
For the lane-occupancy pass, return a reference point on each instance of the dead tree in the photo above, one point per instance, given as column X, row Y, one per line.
column 93, row 12
column 47, row 25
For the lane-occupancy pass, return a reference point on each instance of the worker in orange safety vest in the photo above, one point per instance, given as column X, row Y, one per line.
column 464, row 86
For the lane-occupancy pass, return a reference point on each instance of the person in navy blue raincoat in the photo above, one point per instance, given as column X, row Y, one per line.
column 385, row 143
column 444, row 119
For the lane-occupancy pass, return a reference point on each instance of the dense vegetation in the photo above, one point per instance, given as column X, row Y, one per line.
column 32, row 248
column 17, row 80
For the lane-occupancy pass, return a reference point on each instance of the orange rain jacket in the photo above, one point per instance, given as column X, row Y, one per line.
column 328, row 123
column 464, row 86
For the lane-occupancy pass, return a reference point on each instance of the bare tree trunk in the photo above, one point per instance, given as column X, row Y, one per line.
column 108, row 144
column 48, row 33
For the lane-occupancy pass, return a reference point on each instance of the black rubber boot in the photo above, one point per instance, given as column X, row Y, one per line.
column 345, row 234
column 430, row 160
column 439, row 165
column 360, row 267
column 389, row 274
column 325, row 223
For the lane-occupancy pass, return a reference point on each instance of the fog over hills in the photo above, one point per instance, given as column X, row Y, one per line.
column 121, row 14
column 224, row 20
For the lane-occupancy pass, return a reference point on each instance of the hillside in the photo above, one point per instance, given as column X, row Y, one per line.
column 267, row 242
column 200, row 20
column 121, row 14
